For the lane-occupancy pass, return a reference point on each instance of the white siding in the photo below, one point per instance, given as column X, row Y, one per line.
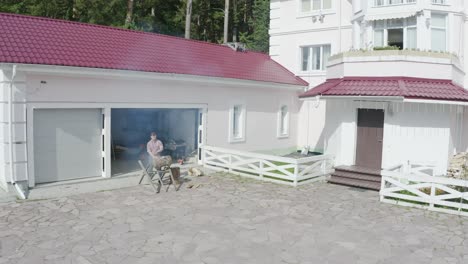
column 419, row 133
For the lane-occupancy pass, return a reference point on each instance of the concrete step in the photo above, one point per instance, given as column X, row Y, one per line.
column 357, row 176
column 360, row 170
column 355, row 183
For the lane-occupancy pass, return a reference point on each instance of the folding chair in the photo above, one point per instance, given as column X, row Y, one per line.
column 162, row 174
column 149, row 174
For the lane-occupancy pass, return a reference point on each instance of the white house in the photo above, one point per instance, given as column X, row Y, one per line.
column 368, row 104
column 72, row 94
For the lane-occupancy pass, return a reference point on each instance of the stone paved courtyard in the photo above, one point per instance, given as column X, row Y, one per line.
column 226, row 219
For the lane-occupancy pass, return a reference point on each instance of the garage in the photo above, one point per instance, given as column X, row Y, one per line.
column 67, row 144
column 176, row 128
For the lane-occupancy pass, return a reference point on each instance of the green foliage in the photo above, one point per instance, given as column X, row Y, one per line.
column 248, row 19
column 387, row 48
column 258, row 39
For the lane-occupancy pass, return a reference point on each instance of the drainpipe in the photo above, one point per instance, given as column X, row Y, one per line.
column 339, row 28
column 18, row 189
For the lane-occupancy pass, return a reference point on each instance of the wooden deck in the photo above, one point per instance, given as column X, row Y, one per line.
column 357, row 176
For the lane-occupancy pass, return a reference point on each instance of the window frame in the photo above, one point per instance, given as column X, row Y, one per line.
column 312, row 10
column 386, row 27
column 311, row 55
column 232, row 138
column 446, row 28
column 287, row 120
column 405, row 33
column 387, row 3
column 442, row 2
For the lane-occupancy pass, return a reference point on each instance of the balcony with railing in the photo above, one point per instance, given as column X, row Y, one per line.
column 405, row 63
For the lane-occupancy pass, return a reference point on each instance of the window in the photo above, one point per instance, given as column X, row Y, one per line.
column 411, row 34
column 315, row 58
column 392, row 2
column 438, row 32
column 237, row 123
column 314, row 5
column 401, row 33
column 379, row 2
column 283, row 121
column 440, row 2
column 379, row 39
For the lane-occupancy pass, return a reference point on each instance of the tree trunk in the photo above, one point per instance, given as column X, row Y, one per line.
column 129, row 18
column 235, row 21
column 188, row 19
column 226, row 20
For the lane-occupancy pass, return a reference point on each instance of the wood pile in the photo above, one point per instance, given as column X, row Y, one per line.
column 458, row 166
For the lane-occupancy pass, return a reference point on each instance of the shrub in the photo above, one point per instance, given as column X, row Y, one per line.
column 387, row 48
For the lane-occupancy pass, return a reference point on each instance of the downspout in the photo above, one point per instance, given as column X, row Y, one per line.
column 339, row 28
column 18, row 189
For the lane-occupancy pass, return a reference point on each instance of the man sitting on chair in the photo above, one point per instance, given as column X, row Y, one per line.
column 154, row 149
column 154, row 146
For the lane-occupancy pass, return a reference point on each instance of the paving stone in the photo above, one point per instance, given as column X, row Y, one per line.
column 228, row 219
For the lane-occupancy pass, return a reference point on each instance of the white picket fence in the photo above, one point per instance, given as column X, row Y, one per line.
column 271, row 168
column 414, row 186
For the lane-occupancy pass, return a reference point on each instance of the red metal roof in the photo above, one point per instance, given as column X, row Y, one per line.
column 412, row 88
column 35, row 40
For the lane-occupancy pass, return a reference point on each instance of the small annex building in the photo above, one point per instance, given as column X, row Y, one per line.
column 80, row 100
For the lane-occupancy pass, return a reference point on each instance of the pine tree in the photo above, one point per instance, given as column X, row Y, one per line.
column 248, row 19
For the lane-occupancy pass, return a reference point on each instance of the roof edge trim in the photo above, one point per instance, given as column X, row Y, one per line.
column 128, row 74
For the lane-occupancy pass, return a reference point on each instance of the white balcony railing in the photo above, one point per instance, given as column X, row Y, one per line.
column 283, row 170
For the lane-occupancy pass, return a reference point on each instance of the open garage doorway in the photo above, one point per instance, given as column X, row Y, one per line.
column 177, row 129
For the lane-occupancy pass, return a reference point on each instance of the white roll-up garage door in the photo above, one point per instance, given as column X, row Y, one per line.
column 67, row 144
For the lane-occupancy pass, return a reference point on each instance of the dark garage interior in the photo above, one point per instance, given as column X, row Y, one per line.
column 131, row 128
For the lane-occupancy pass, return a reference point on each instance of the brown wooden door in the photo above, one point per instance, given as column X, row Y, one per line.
column 369, row 138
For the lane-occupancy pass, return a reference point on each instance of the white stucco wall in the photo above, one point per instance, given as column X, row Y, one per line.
column 289, row 30
column 262, row 104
